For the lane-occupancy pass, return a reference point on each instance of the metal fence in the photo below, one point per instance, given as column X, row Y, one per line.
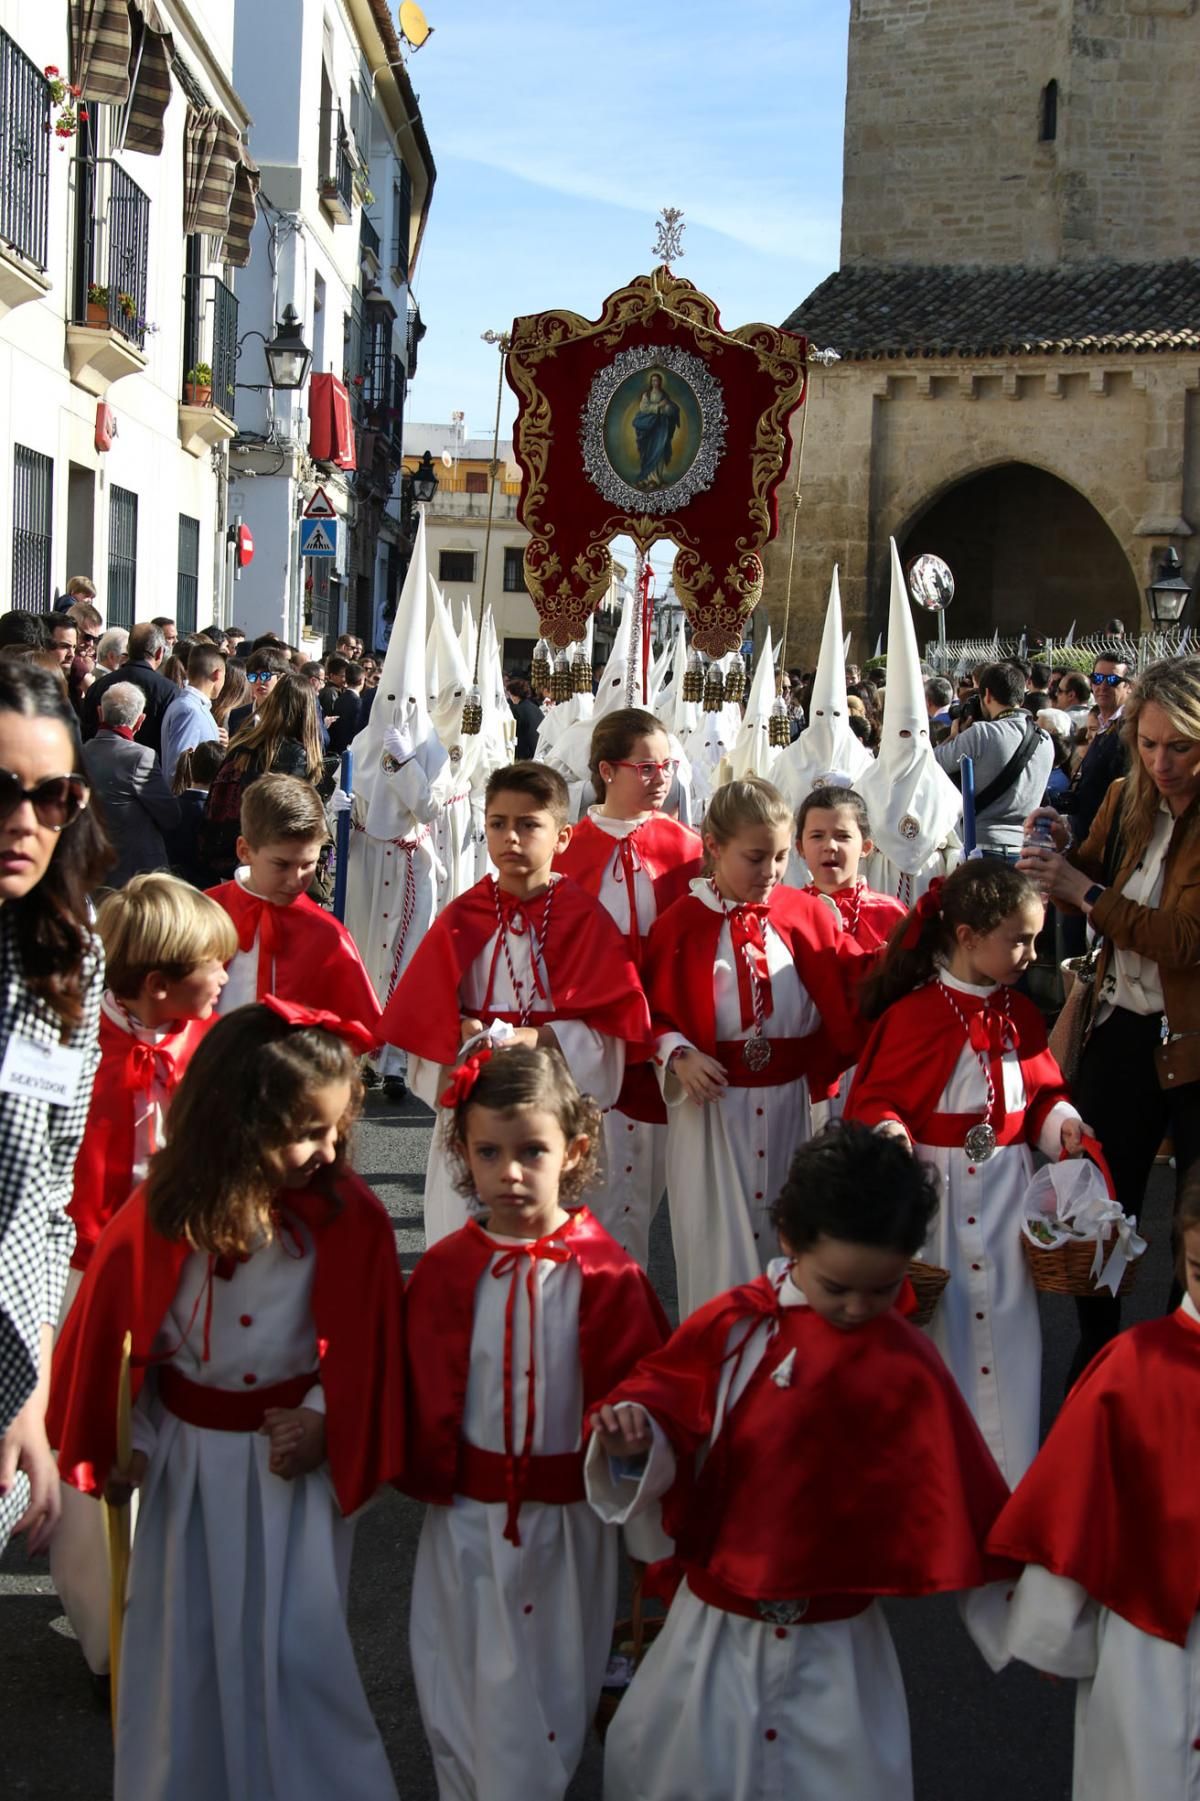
column 961, row 654
column 210, row 329
column 112, row 246
column 33, row 517
column 122, row 556
column 24, row 153
column 187, row 580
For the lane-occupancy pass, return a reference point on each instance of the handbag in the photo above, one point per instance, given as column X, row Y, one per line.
column 1071, row 1030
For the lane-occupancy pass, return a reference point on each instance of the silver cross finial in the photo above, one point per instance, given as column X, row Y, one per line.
column 668, row 242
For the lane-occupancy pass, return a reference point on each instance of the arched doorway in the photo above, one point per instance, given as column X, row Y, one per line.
column 1028, row 552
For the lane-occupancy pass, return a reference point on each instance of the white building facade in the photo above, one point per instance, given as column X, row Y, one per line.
column 125, row 221
column 346, row 180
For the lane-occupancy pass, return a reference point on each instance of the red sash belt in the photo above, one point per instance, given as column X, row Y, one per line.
column 483, row 1476
column 227, row 1409
column 791, row 1058
column 950, row 1129
column 811, row 1610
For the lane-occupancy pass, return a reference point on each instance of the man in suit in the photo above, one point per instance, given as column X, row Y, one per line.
column 136, row 804
column 1105, row 758
column 147, row 648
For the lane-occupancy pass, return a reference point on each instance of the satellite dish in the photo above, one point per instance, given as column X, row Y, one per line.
column 447, row 459
column 413, row 23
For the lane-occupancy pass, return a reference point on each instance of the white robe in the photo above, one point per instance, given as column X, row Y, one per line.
column 1137, row 1703
column 596, row 1062
column 238, row 1676
column 510, row 1643
column 727, row 1160
column 986, row 1325
column 454, row 837
column 726, row 1708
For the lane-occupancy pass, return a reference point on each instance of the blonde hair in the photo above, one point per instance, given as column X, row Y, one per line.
column 281, row 806
column 157, row 922
column 740, row 804
column 1173, row 685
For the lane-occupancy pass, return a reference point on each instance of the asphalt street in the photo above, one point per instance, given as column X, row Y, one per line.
column 990, row 1738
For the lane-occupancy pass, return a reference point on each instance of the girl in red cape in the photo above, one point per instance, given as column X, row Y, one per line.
column 514, row 1327
column 814, row 1453
column 258, row 1278
column 635, row 862
column 959, row 1069
column 751, row 991
column 1107, row 1525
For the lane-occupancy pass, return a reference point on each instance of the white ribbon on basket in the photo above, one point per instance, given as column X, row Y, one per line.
column 1128, row 1244
column 1073, row 1200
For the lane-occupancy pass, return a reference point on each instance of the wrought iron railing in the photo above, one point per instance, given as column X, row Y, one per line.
column 368, row 237
column 1137, row 649
column 112, row 246
column 24, row 153
column 416, row 331
column 210, row 329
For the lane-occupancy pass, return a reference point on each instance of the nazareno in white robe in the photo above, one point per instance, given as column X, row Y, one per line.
column 597, row 1063
column 986, row 1325
column 726, row 1708
column 238, row 1679
column 510, row 1643
column 727, row 1160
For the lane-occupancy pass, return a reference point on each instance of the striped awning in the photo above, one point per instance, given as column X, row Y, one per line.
column 121, row 55
column 220, row 182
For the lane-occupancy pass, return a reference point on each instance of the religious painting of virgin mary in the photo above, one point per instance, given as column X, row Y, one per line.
column 654, row 429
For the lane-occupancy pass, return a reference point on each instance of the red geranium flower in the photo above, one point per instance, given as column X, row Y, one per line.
column 50, row 69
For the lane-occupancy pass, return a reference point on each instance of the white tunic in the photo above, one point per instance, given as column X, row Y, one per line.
column 726, row 1708
column 727, row 1160
column 238, row 1676
column 635, row 1152
column 596, row 1062
column 510, row 1643
column 986, row 1325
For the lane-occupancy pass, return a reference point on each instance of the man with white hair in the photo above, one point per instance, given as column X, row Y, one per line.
column 136, row 805
column 112, row 648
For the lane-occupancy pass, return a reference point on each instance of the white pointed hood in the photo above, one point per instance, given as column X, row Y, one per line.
column 753, row 753
column 826, row 747
column 468, row 633
column 912, row 804
column 684, row 713
column 557, row 720
column 400, row 700
column 449, row 676
column 571, row 753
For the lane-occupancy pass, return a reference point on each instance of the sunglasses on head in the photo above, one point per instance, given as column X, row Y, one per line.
column 57, row 800
column 1108, row 681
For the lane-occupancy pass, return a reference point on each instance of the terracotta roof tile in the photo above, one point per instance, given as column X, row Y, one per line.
column 870, row 312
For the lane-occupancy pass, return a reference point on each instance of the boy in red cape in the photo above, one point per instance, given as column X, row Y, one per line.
column 525, row 949
column 1107, row 1524
column 839, row 1464
column 287, row 945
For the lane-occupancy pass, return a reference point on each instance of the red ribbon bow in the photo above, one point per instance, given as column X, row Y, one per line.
column 516, row 1463
column 928, row 907
column 464, row 1078
column 992, row 1033
column 143, row 1062
column 295, row 1014
column 746, row 924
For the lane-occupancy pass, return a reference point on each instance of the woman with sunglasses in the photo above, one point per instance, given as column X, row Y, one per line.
column 52, row 854
column 1136, row 879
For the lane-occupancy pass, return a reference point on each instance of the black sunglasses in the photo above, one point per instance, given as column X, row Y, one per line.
column 261, row 675
column 57, row 800
column 1108, row 681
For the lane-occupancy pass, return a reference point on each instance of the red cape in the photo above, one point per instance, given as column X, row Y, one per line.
column 1110, row 1499
column 912, row 1051
column 104, row 1167
column 591, row 976
column 316, row 960
column 356, row 1301
column 682, row 950
column 864, row 1475
column 670, row 853
column 620, row 1320
column 878, row 916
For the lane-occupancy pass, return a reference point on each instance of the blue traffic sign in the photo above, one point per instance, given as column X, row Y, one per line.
column 318, row 537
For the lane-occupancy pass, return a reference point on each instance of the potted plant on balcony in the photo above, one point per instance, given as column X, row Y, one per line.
column 97, row 304
column 197, row 386
column 126, row 304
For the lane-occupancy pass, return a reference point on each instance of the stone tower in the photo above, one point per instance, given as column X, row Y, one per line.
column 1017, row 312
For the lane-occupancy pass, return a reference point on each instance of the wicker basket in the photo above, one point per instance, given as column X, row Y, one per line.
column 632, row 1637
column 928, row 1280
column 1067, row 1268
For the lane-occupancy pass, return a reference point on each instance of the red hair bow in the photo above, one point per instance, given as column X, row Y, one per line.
column 294, row 1014
column 928, row 907
column 464, row 1078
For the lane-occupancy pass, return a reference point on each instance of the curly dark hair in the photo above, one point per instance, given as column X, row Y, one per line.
column 524, row 1077
column 857, row 1185
column 980, row 894
column 53, row 929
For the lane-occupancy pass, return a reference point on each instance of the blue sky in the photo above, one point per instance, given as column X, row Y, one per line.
column 561, row 127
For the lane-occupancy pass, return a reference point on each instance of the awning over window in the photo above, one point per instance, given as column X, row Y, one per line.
column 150, row 78
column 220, row 182
column 121, row 54
column 330, row 427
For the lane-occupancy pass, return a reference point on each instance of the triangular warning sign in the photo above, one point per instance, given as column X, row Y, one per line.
column 318, row 541
column 320, row 506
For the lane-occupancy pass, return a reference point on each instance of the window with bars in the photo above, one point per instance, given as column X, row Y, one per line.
column 401, row 223
column 514, row 569
column 456, row 565
column 33, row 520
column 187, row 581
column 122, row 556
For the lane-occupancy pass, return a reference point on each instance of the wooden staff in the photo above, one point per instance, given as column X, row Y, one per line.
column 117, row 1516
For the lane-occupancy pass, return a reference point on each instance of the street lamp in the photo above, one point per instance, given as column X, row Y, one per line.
column 288, row 356
column 1168, row 593
column 424, row 481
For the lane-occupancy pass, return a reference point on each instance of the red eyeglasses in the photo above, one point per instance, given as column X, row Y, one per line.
column 648, row 771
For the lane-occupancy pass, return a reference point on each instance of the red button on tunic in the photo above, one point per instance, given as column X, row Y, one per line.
column 249, row 1381
column 246, row 1320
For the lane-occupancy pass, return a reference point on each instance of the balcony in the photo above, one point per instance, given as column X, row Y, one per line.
column 24, row 176
column 383, row 389
column 210, row 327
column 337, row 188
column 107, row 332
column 370, row 250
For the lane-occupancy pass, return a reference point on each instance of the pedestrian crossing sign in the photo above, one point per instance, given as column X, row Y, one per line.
column 318, row 537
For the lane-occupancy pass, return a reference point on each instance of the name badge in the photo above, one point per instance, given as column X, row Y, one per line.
column 41, row 1072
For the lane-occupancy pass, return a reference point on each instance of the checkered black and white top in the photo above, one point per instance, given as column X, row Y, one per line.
column 38, row 1143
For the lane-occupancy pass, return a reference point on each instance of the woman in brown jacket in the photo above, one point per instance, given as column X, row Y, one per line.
column 1136, row 877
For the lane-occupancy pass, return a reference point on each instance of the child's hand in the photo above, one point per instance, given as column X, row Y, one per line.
column 527, row 1036
column 891, row 1128
column 121, row 1483
column 623, row 1431
column 1072, row 1136
column 701, row 1078
column 468, row 1028
column 297, row 1436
